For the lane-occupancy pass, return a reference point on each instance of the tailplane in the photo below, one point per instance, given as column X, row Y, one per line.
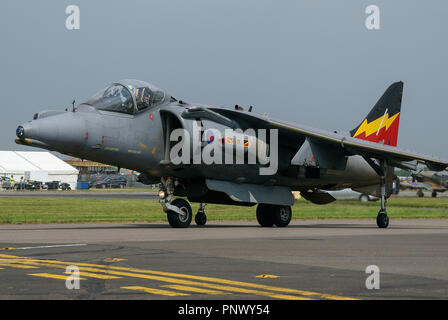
column 382, row 122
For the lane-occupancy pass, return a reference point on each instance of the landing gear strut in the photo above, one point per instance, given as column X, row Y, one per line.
column 182, row 219
column 382, row 219
column 178, row 211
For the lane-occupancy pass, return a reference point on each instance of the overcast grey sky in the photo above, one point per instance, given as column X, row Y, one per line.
column 311, row 61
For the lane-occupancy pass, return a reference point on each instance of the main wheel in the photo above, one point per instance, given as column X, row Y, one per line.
column 177, row 220
column 434, row 194
column 265, row 215
column 282, row 215
column 200, row 218
column 364, row 198
column 382, row 220
column 420, row 193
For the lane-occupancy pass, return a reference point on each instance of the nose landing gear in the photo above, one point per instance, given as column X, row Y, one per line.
column 178, row 211
column 180, row 219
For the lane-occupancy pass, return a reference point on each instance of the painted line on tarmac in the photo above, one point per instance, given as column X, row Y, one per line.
column 280, row 293
column 53, row 246
column 18, row 266
column 95, row 275
column 58, row 264
column 194, row 289
column 51, row 276
column 156, row 291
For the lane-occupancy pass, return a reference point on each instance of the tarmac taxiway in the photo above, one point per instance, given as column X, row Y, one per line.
column 316, row 259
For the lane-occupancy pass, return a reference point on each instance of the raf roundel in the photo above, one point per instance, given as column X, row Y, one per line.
column 210, row 137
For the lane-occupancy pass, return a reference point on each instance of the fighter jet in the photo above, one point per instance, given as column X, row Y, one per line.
column 426, row 180
column 232, row 156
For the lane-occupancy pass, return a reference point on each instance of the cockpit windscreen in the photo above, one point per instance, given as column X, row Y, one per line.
column 127, row 96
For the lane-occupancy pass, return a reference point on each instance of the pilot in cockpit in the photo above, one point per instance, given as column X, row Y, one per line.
column 127, row 104
column 143, row 98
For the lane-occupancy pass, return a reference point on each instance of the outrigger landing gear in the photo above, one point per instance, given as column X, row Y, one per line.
column 201, row 217
column 382, row 219
column 178, row 211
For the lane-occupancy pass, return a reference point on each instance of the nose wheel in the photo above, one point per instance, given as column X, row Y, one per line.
column 180, row 218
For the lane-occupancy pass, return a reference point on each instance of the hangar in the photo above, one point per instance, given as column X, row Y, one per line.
column 36, row 165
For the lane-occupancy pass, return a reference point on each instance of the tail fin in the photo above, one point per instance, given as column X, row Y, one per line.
column 382, row 122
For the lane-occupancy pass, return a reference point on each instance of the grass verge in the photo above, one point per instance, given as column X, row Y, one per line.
column 68, row 210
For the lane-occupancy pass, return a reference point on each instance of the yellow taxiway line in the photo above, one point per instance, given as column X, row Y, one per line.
column 18, row 266
column 156, row 291
column 193, row 289
column 51, row 276
column 217, row 283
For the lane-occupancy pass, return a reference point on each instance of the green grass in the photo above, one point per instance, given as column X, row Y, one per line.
column 64, row 210
column 92, row 190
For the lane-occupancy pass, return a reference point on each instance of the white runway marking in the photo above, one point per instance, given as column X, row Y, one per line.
column 53, row 246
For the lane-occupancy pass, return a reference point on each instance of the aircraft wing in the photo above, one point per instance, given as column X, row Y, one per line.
column 413, row 186
column 352, row 146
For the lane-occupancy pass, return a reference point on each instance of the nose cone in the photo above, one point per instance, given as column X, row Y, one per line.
column 61, row 132
column 20, row 132
column 26, row 131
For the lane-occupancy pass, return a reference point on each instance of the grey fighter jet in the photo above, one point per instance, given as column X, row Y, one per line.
column 231, row 156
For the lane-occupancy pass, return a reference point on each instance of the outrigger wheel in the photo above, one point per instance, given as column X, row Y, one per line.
column 180, row 220
column 382, row 219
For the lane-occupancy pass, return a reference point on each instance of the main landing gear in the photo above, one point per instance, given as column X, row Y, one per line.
column 269, row 214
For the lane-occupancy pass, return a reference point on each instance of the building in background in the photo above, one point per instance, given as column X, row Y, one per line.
column 36, row 165
column 91, row 171
column 87, row 168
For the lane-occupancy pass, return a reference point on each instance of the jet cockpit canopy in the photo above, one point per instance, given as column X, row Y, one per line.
column 127, row 96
